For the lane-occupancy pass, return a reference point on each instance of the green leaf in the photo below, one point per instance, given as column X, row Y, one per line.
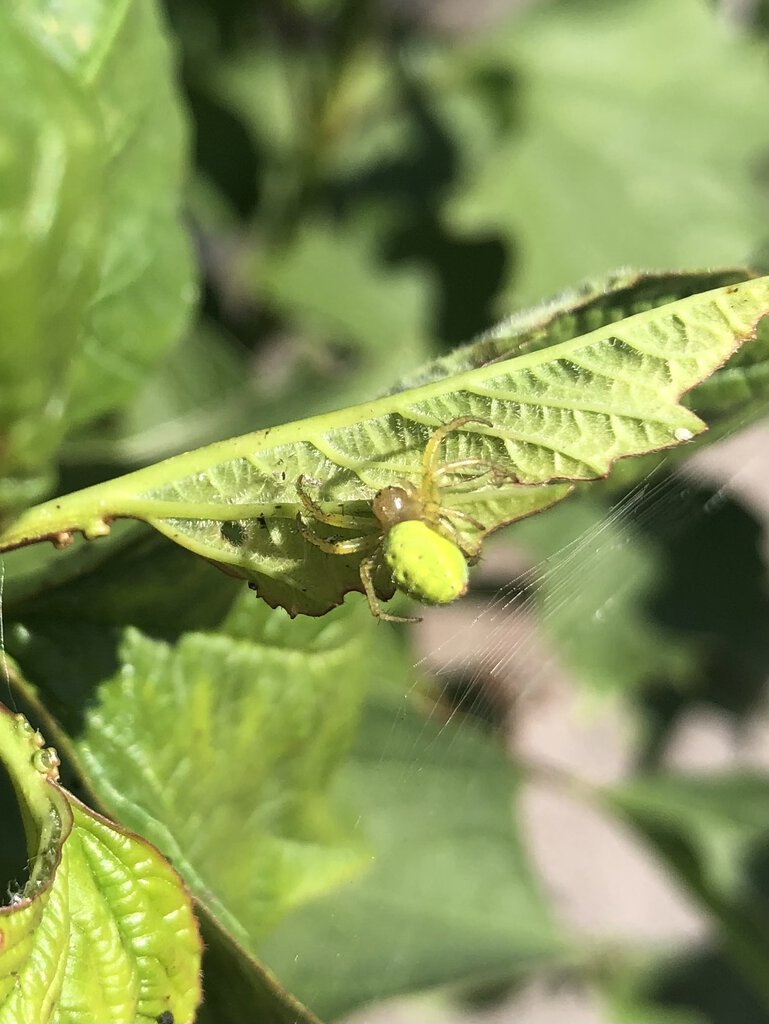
column 239, row 989
column 739, row 392
column 64, row 626
column 118, row 54
column 50, row 247
column 64, row 618
column 735, row 395
column 221, row 741
column 449, row 899
column 574, row 313
column 556, row 415
column 706, row 830
column 279, row 705
column 625, row 148
column 103, row 930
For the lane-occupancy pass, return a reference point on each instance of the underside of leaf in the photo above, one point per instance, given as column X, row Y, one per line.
column 103, row 930
column 541, row 420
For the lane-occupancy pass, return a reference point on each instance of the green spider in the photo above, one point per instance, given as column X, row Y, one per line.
column 418, row 538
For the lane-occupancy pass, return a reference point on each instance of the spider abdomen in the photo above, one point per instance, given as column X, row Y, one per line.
column 425, row 564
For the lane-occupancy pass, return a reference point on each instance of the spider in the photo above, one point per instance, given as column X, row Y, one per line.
column 417, row 537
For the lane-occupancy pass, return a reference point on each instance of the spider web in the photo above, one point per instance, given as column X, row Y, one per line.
column 481, row 644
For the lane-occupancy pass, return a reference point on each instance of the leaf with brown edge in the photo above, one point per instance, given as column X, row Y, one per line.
column 103, row 929
column 545, row 419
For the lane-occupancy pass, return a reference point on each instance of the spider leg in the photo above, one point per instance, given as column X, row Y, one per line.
column 329, row 518
column 464, row 516
column 435, row 512
column 367, row 567
column 347, row 546
column 447, row 529
column 430, row 460
column 489, row 467
column 493, row 469
column 430, row 465
column 451, row 468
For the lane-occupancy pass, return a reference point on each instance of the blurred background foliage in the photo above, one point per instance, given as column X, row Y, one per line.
column 373, row 182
